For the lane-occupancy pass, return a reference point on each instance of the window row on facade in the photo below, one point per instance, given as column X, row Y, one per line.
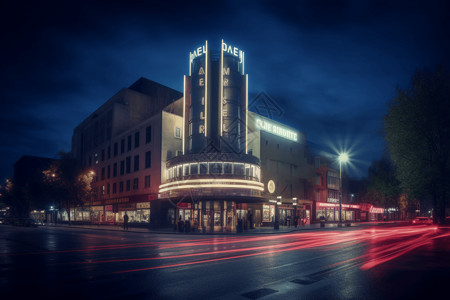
column 124, row 167
column 123, row 186
column 214, row 168
column 126, row 145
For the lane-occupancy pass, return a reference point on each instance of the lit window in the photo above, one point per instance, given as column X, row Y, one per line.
column 178, row 132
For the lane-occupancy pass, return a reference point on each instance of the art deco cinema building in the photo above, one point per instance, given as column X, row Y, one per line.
column 215, row 172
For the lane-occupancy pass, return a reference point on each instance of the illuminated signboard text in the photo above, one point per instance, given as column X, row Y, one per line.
column 277, row 130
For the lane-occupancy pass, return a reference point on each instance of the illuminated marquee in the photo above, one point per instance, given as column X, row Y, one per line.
column 277, row 130
column 197, row 52
column 233, row 51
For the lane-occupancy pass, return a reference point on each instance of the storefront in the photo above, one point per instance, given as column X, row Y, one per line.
column 331, row 211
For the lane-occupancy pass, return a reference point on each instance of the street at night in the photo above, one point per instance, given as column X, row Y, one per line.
column 366, row 262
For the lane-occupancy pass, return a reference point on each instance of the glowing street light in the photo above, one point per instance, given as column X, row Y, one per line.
column 343, row 158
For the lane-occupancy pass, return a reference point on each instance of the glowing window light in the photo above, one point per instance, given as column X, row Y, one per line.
column 228, row 186
column 212, row 180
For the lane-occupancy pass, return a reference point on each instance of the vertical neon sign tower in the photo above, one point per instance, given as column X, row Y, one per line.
column 216, row 101
column 215, row 173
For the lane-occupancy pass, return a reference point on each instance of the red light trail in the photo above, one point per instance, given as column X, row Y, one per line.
column 384, row 245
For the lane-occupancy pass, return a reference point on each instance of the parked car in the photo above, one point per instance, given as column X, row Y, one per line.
column 422, row 220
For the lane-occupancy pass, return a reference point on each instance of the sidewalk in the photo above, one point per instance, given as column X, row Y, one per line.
column 258, row 230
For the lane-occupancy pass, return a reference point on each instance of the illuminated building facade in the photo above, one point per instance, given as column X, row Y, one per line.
column 126, row 142
column 199, row 158
column 215, row 173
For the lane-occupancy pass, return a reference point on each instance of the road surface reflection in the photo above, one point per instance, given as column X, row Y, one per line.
column 382, row 245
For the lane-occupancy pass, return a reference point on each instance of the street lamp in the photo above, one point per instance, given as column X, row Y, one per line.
column 343, row 158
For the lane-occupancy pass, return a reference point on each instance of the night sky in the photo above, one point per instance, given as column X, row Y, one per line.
column 329, row 66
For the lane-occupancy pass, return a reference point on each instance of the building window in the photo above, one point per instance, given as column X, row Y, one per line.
column 267, row 142
column 128, row 185
column 115, row 170
column 136, row 163
column 129, row 143
column 178, row 132
column 122, row 146
column 194, row 169
column 147, row 181
column 122, row 167
column 121, row 187
column 136, row 139
column 203, row 168
column 116, row 149
column 239, row 169
column 114, row 188
column 103, row 154
column 108, row 172
column 148, row 134
column 103, row 174
column 109, row 152
column 148, row 159
column 90, row 161
column 108, row 186
column 135, row 183
column 103, row 190
column 228, row 168
column 128, row 164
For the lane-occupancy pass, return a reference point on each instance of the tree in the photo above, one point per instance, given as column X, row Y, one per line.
column 417, row 130
column 68, row 183
column 383, row 186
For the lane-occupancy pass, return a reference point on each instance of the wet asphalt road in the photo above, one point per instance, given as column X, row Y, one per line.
column 387, row 262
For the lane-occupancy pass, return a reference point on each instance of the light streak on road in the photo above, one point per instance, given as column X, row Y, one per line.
column 384, row 245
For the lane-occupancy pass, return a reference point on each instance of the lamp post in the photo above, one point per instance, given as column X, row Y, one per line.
column 343, row 158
